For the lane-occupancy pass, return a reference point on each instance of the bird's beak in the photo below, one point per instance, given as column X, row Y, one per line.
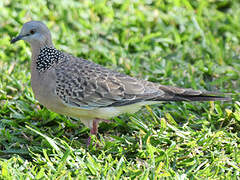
column 19, row 37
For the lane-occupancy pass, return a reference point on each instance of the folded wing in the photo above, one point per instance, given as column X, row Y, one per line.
column 84, row 84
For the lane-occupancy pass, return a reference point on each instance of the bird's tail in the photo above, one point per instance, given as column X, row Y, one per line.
column 203, row 97
column 182, row 94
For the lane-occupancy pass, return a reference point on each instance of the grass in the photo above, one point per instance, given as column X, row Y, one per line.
column 192, row 44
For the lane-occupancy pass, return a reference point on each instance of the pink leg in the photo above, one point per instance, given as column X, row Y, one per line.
column 94, row 129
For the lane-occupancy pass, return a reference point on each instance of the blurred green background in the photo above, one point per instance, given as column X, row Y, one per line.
column 192, row 44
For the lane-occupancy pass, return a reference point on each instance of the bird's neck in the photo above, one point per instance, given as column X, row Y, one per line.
column 43, row 58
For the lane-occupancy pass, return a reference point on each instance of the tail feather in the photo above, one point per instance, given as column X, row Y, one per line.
column 182, row 94
column 200, row 98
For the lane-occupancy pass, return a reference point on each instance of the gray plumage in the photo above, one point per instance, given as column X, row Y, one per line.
column 87, row 85
column 80, row 88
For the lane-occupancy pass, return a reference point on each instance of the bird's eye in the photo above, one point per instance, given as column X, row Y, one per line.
column 32, row 31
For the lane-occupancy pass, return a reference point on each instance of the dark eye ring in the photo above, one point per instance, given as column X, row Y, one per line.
column 32, row 31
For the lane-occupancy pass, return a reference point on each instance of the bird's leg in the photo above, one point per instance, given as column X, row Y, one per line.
column 94, row 129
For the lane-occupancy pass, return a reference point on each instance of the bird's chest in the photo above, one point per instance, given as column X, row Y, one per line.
column 43, row 86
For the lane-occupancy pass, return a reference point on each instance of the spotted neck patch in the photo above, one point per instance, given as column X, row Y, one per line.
column 47, row 57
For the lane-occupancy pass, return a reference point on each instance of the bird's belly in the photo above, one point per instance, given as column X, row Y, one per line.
column 109, row 112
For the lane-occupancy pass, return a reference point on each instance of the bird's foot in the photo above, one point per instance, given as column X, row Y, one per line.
column 94, row 129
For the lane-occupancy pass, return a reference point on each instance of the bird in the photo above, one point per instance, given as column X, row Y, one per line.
column 82, row 89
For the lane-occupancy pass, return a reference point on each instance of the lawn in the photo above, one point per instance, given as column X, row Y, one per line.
column 192, row 44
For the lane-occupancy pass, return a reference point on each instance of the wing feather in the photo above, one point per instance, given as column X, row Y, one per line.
column 84, row 84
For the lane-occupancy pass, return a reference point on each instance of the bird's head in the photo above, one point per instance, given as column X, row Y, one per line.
column 35, row 33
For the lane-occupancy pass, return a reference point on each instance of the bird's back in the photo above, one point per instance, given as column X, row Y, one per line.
column 84, row 84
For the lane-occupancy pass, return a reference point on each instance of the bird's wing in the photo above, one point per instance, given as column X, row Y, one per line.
column 84, row 84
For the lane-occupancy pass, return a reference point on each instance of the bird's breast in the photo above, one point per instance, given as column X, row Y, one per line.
column 43, row 86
